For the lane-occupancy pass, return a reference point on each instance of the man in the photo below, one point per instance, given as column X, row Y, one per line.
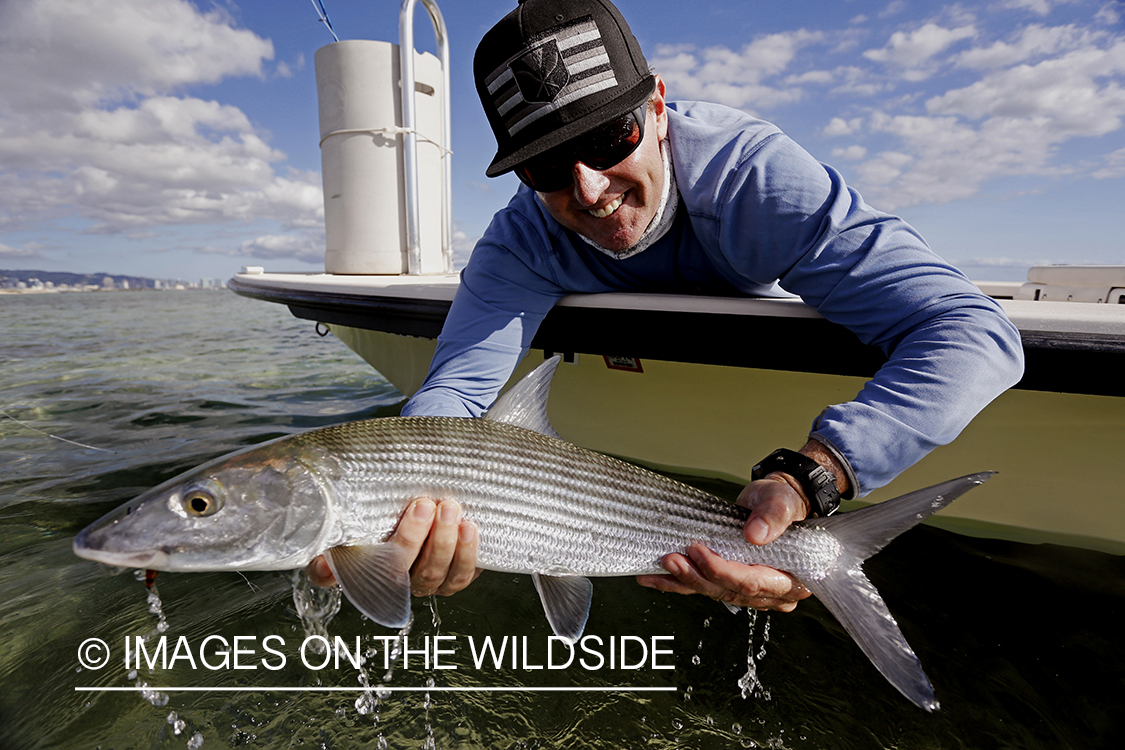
column 624, row 191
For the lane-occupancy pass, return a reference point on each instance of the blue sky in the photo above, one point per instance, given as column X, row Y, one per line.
column 166, row 138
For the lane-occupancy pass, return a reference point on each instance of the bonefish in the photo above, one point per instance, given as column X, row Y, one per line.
column 543, row 507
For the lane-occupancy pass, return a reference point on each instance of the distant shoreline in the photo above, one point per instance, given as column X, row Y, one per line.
column 101, row 290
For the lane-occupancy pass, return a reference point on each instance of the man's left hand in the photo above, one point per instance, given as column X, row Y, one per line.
column 775, row 505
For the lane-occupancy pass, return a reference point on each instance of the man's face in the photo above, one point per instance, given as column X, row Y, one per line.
column 614, row 207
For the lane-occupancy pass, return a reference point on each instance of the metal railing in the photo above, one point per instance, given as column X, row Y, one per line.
column 410, row 137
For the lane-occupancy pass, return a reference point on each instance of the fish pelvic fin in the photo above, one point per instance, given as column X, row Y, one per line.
column 566, row 602
column 376, row 579
column 851, row 597
column 525, row 403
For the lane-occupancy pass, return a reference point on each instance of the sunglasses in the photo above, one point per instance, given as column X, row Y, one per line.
column 600, row 149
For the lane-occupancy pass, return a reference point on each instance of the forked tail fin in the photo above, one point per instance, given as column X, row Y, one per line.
column 853, row 599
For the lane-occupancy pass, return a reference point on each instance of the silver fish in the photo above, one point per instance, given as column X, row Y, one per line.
column 543, row 507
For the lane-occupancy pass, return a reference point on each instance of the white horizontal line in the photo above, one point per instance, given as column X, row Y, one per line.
column 501, row 689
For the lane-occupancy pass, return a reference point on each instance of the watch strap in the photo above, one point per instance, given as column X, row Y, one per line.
column 818, row 482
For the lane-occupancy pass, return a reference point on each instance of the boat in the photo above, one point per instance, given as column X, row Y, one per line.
column 663, row 380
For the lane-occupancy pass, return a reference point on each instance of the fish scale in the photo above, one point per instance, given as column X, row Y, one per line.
column 554, row 491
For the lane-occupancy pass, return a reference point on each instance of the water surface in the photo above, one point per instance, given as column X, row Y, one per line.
column 1022, row 642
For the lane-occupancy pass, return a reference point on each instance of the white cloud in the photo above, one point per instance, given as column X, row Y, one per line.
column 857, row 81
column 813, row 76
column 1038, row 7
column 1075, row 92
column 83, row 51
column 909, row 50
column 9, row 253
column 1114, row 165
column 94, row 123
column 851, row 153
column 838, row 126
column 1109, row 14
column 1040, row 89
column 1029, row 43
column 735, row 78
column 463, row 246
column 893, row 9
column 305, row 246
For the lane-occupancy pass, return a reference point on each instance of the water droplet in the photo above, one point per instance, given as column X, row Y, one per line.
column 178, row 724
column 365, row 704
column 155, row 698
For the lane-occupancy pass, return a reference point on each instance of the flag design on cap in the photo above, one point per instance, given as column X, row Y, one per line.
column 556, row 68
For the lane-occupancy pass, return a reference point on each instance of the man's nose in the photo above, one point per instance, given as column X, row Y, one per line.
column 589, row 184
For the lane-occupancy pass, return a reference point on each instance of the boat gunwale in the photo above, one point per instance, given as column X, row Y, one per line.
column 1071, row 347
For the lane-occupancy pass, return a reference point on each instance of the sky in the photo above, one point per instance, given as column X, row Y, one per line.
column 172, row 139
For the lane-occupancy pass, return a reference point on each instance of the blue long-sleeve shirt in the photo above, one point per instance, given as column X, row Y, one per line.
column 755, row 209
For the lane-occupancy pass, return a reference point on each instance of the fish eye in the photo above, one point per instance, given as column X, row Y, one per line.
column 201, row 503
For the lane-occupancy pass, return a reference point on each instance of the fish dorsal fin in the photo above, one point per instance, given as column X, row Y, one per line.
column 525, row 403
column 566, row 601
column 376, row 579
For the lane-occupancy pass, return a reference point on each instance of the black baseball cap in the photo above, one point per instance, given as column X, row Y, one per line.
column 552, row 70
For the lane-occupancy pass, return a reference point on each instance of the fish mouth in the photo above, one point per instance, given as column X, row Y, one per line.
column 154, row 559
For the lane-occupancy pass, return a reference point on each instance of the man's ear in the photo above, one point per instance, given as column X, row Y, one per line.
column 659, row 109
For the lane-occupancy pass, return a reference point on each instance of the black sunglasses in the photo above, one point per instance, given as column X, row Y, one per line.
column 601, row 148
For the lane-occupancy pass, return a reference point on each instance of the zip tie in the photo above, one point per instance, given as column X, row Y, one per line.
column 393, row 130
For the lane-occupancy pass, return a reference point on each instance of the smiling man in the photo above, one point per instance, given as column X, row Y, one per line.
column 624, row 191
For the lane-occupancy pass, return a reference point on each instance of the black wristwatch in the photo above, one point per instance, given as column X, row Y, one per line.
column 817, row 482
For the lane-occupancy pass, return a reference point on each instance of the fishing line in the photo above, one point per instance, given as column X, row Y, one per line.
column 252, row 586
column 56, row 437
column 320, row 11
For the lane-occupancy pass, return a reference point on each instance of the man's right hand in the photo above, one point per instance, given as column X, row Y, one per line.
column 441, row 542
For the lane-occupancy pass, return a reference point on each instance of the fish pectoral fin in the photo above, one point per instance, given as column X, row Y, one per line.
column 566, row 602
column 376, row 579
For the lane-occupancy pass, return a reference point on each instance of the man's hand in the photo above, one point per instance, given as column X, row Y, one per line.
column 775, row 504
column 441, row 542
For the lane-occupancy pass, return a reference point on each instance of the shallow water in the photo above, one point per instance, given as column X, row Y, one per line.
column 1021, row 642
